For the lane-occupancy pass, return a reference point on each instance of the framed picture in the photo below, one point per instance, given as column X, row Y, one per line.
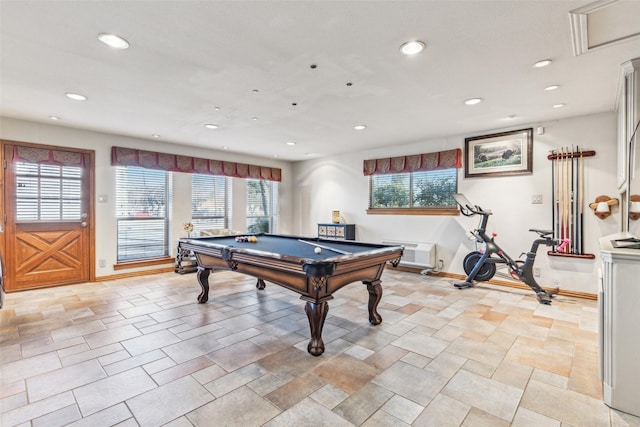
column 498, row 154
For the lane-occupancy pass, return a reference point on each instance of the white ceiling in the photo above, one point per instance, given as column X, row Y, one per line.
column 189, row 57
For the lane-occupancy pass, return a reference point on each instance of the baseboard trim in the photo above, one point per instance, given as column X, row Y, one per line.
column 498, row 282
column 134, row 274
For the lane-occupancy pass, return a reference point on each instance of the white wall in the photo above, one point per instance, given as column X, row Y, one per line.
column 338, row 183
column 105, row 179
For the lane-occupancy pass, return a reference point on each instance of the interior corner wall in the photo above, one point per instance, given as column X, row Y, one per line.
column 337, row 183
column 105, row 180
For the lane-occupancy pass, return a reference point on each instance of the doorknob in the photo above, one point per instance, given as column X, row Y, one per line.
column 83, row 224
column 84, row 215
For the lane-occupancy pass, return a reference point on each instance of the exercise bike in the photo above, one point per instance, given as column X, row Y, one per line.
column 481, row 265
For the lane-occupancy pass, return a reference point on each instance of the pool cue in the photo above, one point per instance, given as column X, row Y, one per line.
column 553, row 195
column 581, row 202
column 557, row 197
column 325, row 247
column 566, row 196
column 561, row 190
column 572, row 212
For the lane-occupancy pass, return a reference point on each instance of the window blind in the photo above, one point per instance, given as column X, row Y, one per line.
column 142, row 213
column 427, row 189
column 210, row 202
column 48, row 192
column 261, row 205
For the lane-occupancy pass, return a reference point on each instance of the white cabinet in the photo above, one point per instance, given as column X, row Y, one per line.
column 619, row 329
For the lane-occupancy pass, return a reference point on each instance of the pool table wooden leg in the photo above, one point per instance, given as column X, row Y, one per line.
column 375, row 294
column 317, row 313
column 203, row 279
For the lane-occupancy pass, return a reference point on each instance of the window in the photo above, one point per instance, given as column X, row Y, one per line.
column 420, row 191
column 210, row 202
column 48, row 192
column 262, row 197
column 143, row 197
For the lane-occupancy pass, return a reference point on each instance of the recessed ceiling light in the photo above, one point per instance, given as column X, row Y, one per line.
column 255, row 91
column 552, row 87
column 275, row 155
column 359, row 127
column 412, row 47
column 211, row 126
column 225, row 148
column 473, row 101
column 542, row 63
column 512, row 117
column 54, row 117
column 216, row 108
column 558, row 105
column 291, row 143
column 76, row 96
column 113, row 41
column 254, row 118
column 155, row 135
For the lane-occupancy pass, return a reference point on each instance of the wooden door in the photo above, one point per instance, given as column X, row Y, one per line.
column 48, row 204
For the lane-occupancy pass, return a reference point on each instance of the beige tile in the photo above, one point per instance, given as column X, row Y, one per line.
column 575, row 408
column 425, row 345
column 37, row 409
column 479, row 418
column 109, row 391
column 179, row 371
column 241, row 407
column 443, row 411
column 410, row 382
column 73, row 331
column 527, row 418
column 329, row 396
column 294, row 391
column 133, row 362
column 363, row 403
column 497, row 338
column 225, row 384
column 110, row 336
column 61, row 417
column 308, row 413
column 147, row 343
column 161, row 404
column 488, row 395
column 29, row 367
column 64, row 379
column 402, row 409
column 346, row 373
column 236, row 355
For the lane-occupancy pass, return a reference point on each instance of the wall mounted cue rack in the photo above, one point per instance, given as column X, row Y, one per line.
column 567, row 178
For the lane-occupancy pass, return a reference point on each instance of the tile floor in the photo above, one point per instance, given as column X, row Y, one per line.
column 141, row 351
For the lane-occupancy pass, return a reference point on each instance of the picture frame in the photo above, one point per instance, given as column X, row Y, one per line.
column 499, row 154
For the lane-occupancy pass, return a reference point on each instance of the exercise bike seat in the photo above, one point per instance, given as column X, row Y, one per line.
column 542, row 233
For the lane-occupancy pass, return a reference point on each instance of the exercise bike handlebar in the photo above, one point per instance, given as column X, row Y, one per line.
column 467, row 209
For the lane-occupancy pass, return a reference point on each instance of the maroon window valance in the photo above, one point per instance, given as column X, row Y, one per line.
column 48, row 156
column 121, row 156
column 415, row 163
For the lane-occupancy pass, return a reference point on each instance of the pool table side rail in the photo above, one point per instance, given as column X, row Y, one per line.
column 314, row 279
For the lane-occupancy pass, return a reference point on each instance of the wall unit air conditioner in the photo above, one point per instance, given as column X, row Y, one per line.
column 416, row 254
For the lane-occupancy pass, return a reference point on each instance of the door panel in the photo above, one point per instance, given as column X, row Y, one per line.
column 48, row 213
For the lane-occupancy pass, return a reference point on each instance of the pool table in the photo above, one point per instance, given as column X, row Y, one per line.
column 293, row 262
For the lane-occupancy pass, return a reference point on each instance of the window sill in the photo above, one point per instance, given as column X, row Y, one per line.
column 413, row 211
column 142, row 263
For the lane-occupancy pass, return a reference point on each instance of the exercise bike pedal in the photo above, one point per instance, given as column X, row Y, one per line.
column 546, row 297
column 463, row 285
